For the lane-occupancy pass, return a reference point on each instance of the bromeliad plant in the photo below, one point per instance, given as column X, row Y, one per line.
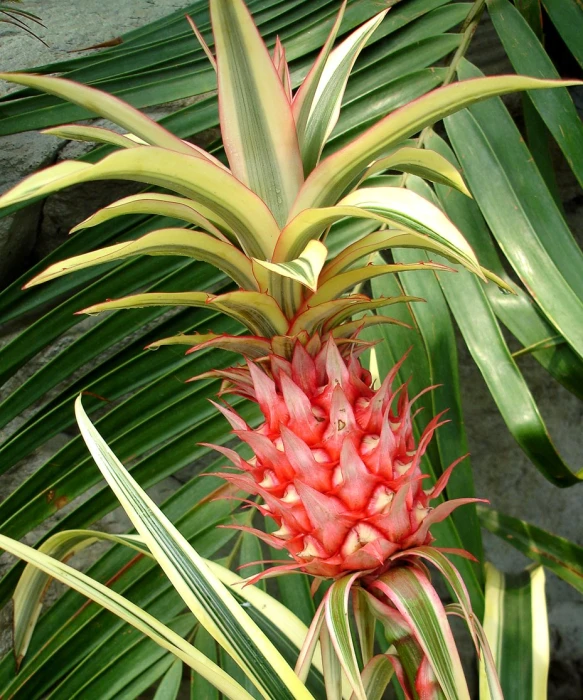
column 335, row 463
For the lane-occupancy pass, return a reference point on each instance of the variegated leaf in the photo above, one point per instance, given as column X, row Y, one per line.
column 331, row 177
column 167, row 241
column 161, row 205
column 257, row 311
column 422, row 162
column 516, row 626
column 94, row 134
column 325, row 107
column 201, row 590
column 192, row 177
column 108, row 106
column 305, row 269
column 129, row 612
column 256, row 120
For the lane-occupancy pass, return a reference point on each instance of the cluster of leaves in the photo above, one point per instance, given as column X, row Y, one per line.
column 156, row 422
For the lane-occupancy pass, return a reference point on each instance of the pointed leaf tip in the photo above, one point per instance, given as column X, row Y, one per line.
column 305, row 269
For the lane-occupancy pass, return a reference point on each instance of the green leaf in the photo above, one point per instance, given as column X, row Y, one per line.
column 167, row 241
column 32, row 586
column 331, row 664
column 528, row 57
column 325, row 105
column 170, row 684
column 256, row 310
column 257, row 121
column 336, row 611
column 477, row 323
column 199, row 686
column 208, row 599
column 568, row 20
column 107, row 106
column 94, row 134
column 198, row 179
column 376, row 676
column 129, row 612
column 518, row 312
column 518, row 219
column 517, row 628
column 423, row 163
column 329, row 179
column 562, row 557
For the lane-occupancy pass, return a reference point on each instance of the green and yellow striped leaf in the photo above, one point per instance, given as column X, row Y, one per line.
column 94, row 134
column 108, row 106
column 256, row 119
column 204, row 182
column 422, row 162
column 257, row 311
column 327, row 182
column 201, row 590
column 131, row 613
column 336, row 286
column 159, row 205
column 516, row 626
column 167, row 241
column 337, row 622
column 325, row 107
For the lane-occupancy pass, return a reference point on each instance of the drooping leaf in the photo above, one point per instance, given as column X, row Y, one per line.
column 558, row 554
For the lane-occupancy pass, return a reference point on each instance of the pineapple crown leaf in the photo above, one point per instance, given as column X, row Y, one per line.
column 265, row 218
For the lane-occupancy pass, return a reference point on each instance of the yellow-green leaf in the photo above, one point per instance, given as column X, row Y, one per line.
column 305, row 269
column 257, row 311
column 159, row 205
column 422, row 162
column 166, row 241
column 325, row 107
column 93, row 134
column 327, row 182
column 190, row 176
column 256, row 120
column 105, row 105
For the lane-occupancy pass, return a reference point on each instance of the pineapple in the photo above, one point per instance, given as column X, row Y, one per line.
column 335, row 463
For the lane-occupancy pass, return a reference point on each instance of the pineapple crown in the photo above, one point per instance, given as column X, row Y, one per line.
column 274, row 220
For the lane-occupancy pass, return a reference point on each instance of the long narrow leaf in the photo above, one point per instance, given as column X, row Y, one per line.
column 333, row 174
column 129, row 612
column 256, row 118
column 562, row 557
column 201, row 590
column 517, row 628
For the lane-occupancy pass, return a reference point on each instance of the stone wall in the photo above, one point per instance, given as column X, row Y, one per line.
column 502, row 472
